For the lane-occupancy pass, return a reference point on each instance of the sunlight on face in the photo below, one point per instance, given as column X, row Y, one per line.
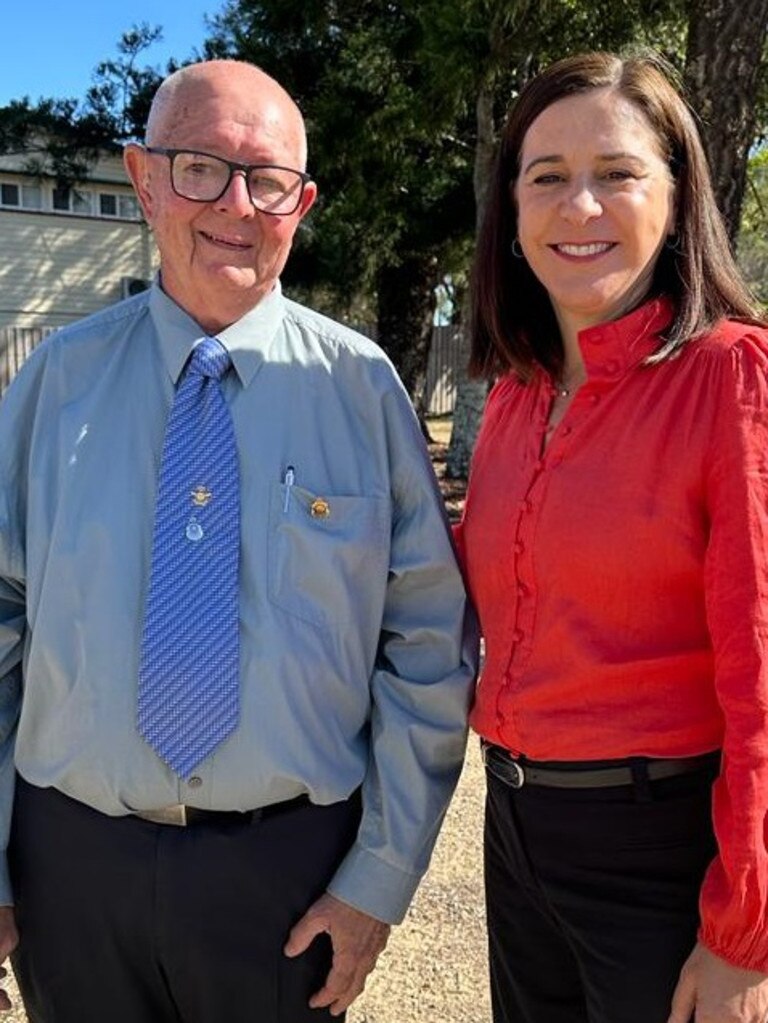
column 595, row 203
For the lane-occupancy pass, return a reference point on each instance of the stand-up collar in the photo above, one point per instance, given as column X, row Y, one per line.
column 612, row 349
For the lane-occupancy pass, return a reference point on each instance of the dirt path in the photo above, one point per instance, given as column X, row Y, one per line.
column 434, row 968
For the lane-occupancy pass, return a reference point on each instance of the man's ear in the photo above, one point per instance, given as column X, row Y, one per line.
column 137, row 167
column 308, row 198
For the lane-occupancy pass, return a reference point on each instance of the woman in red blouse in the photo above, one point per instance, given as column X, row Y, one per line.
column 615, row 542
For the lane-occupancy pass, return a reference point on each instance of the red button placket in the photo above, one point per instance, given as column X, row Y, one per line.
column 522, row 619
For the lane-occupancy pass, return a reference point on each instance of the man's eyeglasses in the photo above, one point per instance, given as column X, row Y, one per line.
column 202, row 177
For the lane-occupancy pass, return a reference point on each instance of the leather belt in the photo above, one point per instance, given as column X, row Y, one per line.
column 182, row 816
column 517, row 772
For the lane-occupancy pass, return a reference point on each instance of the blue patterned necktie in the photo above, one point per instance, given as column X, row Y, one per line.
column 189, row 672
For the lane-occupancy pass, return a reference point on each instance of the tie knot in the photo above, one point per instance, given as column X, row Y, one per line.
column 210, row 359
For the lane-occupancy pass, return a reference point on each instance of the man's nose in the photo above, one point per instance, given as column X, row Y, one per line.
column 236, row 197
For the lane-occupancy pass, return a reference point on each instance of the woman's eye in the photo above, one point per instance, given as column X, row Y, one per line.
column 619, row 175
column 547, row 179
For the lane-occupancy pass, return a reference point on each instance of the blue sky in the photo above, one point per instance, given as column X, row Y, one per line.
column 50, row 47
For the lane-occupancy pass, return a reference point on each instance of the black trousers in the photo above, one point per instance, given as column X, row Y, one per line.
column 125, row 921
column 592, row 897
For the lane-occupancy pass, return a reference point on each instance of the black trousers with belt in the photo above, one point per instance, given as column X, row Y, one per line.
column 592, row 897
column 125, row 921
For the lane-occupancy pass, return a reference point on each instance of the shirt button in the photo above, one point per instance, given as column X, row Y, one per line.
column 518, row 546
column 594, row 399
column 566, row 430
column 526, row 505
column 523, row 590
column 195, row 782
column 518, row 635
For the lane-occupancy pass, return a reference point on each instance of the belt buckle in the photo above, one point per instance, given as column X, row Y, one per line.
column 517, row 779
column 176, row 815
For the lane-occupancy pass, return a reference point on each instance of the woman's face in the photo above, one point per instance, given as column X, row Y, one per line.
column 595, row 203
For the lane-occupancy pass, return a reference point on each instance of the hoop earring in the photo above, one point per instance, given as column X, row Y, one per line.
column 517, row 251
column 672, row 243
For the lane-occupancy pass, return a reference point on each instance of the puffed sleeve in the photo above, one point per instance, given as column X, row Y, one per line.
column 734, row 898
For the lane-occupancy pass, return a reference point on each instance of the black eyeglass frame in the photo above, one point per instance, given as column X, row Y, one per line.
column 245, row 168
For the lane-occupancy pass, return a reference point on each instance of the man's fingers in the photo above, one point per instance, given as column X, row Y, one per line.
column 303, row 934
column 9, row 939
column 356, row 939
column 341, row 986
column 9, row 936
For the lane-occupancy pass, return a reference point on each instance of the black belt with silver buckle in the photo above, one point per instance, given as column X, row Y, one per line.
column 517, row 772
column 182, row 816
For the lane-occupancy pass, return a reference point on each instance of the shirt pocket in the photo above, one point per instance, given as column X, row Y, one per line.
column 328, row 558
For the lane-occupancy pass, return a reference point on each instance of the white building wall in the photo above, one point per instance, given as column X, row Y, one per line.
column 56, row 269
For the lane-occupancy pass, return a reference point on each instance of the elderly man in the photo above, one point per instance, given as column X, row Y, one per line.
column 232, row 648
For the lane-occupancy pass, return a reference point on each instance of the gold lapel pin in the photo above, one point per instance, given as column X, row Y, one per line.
column 319, row 509
column 201, row 496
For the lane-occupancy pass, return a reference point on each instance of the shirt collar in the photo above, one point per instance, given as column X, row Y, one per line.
column 247, row 340
column 612, row 349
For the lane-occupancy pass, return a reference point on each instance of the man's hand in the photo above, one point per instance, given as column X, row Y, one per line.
column 9, row 939
column 357, row 940
column 710, row 990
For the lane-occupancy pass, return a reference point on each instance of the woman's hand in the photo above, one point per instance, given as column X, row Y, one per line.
column 710, row 990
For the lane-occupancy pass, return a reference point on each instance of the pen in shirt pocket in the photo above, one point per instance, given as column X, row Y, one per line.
column 288, row 480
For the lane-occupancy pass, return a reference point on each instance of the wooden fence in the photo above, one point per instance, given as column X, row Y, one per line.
column 15, row 345
column 442, row 372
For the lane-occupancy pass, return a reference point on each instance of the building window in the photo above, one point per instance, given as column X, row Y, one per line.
column 9, row 195
column 28, row 197
column 72, row 200
column 107, row 204
column 120, row 205
column 83, row 201
column 128, row 205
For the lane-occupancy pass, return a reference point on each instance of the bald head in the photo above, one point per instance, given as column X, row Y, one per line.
column 220, row 257
column 249, row 95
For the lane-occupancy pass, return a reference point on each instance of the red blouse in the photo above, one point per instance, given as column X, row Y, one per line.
column 621, row 579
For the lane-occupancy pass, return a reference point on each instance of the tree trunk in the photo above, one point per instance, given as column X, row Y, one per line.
column 724, row 51
column 471, row 394
column 404, row 322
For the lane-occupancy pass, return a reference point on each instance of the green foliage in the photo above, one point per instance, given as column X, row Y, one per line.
column 389, row 91
column 393, row 171
column 752, row 248
column 67, row 135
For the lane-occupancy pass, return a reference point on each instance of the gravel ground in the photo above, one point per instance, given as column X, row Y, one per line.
column 434, row 967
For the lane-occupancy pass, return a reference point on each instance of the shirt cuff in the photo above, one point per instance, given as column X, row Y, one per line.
column 748, row 956
column 377, row 888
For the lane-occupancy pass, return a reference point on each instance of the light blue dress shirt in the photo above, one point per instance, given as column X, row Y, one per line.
column 356, row 662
